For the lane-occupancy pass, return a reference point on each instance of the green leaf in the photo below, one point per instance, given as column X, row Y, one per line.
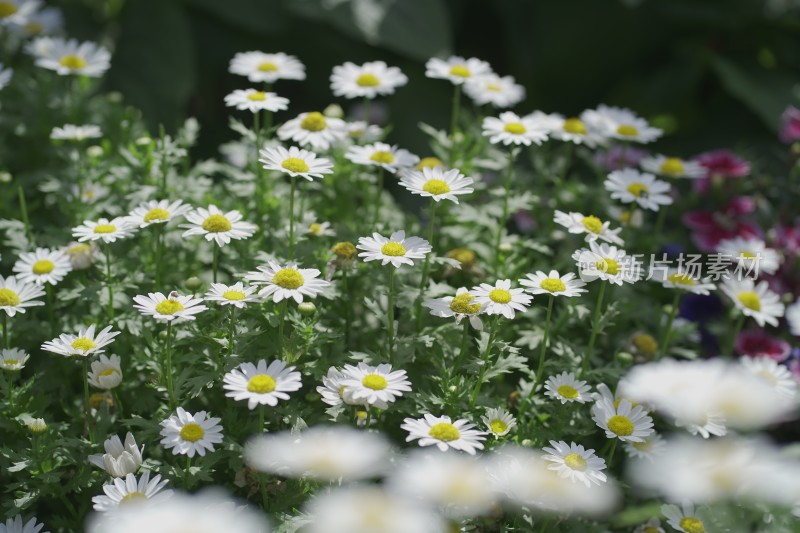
column 256, row 16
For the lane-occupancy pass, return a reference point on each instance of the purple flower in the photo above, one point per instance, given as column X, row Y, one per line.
column 790, row 125
column 719, row 164
column 612, row 159
column 757, row 343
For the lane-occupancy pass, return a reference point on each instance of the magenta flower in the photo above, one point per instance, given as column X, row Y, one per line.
column 757, row 343
column 710, row 227
column 720, row 164
column 790, row 125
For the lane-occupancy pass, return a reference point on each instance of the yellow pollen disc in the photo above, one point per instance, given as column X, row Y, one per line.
column 494, row 88
column 515, row 128
column 645, row 343
column 10, row 362
column 644, row 446
column 109, row 372
column 294, row 164
column 553, row 285
column 498, row 426
column 105, row 228
column 393, row 249
column 8, row 298
column 436, row 187
column 315, row 229
column 383, row 158
column 192, row 432
column 341, row 391
column 461, row 304
column 575, row 462
column 627, row 130
column 83, row 344
column 261, row 384
column 258, row 96
column 288, row 278
column 79, row 249
column 651, row 529
column 267, row 66
column 72, row 62
column 156, row 215
column 344, row 250
column 43, row 266
column 361, row 415
column 574, row 126
column 234, row 295
column 672, row 166
column 568, row 391
column 429, row 162
column 500, row 296
column 7, row 9
column 607, row 265
column 620, row 425
column 692, row 524
column 639, row 190
column 465, row 256
column 461, row 71
column 217, row 224
column 169, row 307
column 747, row 255
column 680, row 279
column 445, row 432
column 368, row 80
column 750, row 300
column 133, row 497
column 592, row 223
column 314, row 121
column 374, row 382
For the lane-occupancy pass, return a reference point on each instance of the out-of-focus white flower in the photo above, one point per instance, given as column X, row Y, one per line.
column 119, row 460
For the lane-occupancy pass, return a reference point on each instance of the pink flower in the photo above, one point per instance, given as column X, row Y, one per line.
column 757, row 343
column 720, row 164
column 612, row 160
column 711, row 227
column 790, row 125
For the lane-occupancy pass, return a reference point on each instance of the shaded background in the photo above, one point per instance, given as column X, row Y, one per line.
column 713, row 73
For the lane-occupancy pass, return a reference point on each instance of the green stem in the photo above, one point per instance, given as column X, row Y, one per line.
column 347, row 309
column 501, row 224
column 23, row 207
column 215, row 253
column 737, row 328
column 426, row 267
column 186, row 473
column 485, row 358
column 454, row 123
column 543, row 349
column 164, row 162
column 160, row 230
column 232, row 330
column 367, row 104
column 117, row 403
column 6, row 338
column 291, row 217
column 392, row 271
column 170, row 389
column 260, row 428
column 259, row 168
column 569, row 148
column 281, row 322
column 10, row 388
column 51, row 316
column 87, row 408
column 378, row 198
column 595, row 324
column 611, row 453
column 110, row 286
column 663, row 346
column 464, row 346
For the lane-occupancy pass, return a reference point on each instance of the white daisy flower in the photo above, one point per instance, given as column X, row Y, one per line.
column 173, row 307
column 576, row 463
column 295, row 162
column 628, row 185
column 704, row 424
column 320, row 229
column 314, row 129
column 623, row 422
column 651, row 526
column 47, row 21
column 750, row 255
column 683, row 518
column 652, row 446
column 674, row 278
column 16, row 295
column 382, row 155
column 128, row 490
column 260, row 384
column 83, row 344
column 510, row 128
column 553, row 284
column 607, row 263
column 575, row 130
column 17, row 13
column 501, row 299
column 776, row 375
column 360, row 131
column 462, row 305
column 81, row 255
column 267, row 68
column 68, row 57
column 285, row 282
column 16, row 524
column 567, row 388
column 456, row 69
column 254, row 101
column 237, row 294
column 755, row 301
column 104, row 230
column 544, row 121
column 42, row 266
column 217, row 226
column 444, row 433
column 366, row 81
column 13, row 359
column 5, row 76
column 590, row 226
column 397, row 249
column 189, row 434
column 673, row 167
column 437, row 183
column 498, row 421
column 623, row 124
column 333, row 390
column 332, row 453
column 106, row 372
column 119, row 460
column 157, row 212
column 374, row 385
column 500, row 91
column 89, row 193
column 71, row 132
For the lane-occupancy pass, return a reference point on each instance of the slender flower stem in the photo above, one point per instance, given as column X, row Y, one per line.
column 260, row 428
column 426, row 266
column 23, row 208
column 51, row 316
column 378, row 198
column 595, row 324
column 110, row 286
column 164, row 162
column 737, row 328
column 291, row 217
column 6, row 338
column 160, row 230
column 501, row 224
column 611, row 452
column 10, row 388
column 569, row 149
column 543, row 349
column 214, row 259
column 87, row 408
column 170, row 389
column 390, row 324
column 367, row 103
column 117, row 403
column 259, row 169
column 231, row 330
column 347, row 308
column 663, row 346
column 454, row 123
column 464, row 346
column 282, row 320
column 186, row 472
column 485, row 358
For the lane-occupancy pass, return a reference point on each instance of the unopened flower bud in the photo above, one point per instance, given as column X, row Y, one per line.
column 333, row 111
column 193, row 283
column 307, row 308
column 37, row 425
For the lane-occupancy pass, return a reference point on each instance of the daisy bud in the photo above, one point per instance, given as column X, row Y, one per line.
column 81, row 255
column 143, row 141
column 97, row 400
column 527, row 443
column 94, row 151
column 506, row 247
column 6, row 177
column 624, row 357
column 193, row 283
column 361, row 418
column 307, row 308
column 333, row 111
column 644, row 344
column 345, row 253
column 115, row 97
column 37, row 425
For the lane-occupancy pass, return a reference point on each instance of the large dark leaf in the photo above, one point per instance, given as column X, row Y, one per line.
column 256, row 16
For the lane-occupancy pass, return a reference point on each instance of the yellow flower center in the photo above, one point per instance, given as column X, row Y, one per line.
column 680, row 279
column 169, row 307
column 7, row 9
column 72, row 62
column 374, row 382
column 592, row 223
column 692, row 524
column 429, row 162
column 79, row 249
column 43, row 266
column 288, row 278
column 105, row 228
column 315, row 229
column 620, row 425
column 568, row 391
column 268, row 66
column 109, row 372
column 461, row 304
column 672, row 166
column 10, row 362
column 444, row 431
column 495, row 88
column 574, row 126
column 217, row 224
column 83, row 344
column 498, row 426
column 368, row 80
column 747, row 255
column 639, row 190
column 500, row 296
column 644, row 446
column 436, row 187
column 553, row 285
column 382, row 158
column 465, row 256
column 607, row 265
column 344, row 250
column 750, row 300
column 156, row 215
column 393, row 249
column 461, row 71
column 261, row 384
column 314, row 121
column 651, row 529
column 575, row 461
column 295, row 164
column 192, row 432
column 645, row 343
column 133, row 497
column 515, row 128
column 627, row 130
column 258, row 96
column 234, row 295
